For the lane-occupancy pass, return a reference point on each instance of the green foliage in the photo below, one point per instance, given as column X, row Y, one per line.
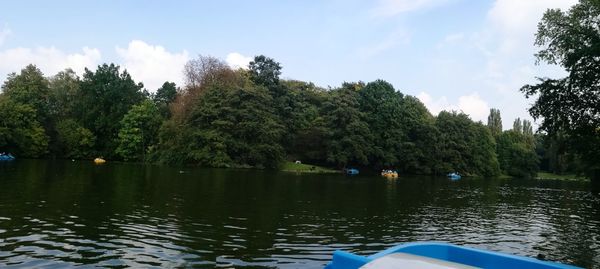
column 420, row 136
column 305, row 130
column 164, row 96
column 249, row 118
column 166, row 93
column 264, row 71
column 74, row 140
column 228, row 125
column 495, row 122
column 29, row 87
column 20, row 131
column 139, row 129
column 382, row 108
column 63, row 91
column 106, row 96
column 571, row 39
column 464, row 146
column 517, row 126
column 516, row 154
column 349, row 140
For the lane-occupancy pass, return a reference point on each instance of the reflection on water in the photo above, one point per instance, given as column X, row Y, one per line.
column 57, row 214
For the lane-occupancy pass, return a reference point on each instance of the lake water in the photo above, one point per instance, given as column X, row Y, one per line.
column 61, row 214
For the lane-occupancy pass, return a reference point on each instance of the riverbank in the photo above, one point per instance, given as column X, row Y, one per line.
column 306, row 168
column 568, row 177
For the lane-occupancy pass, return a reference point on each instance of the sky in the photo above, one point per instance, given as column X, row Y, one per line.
column 463, row 55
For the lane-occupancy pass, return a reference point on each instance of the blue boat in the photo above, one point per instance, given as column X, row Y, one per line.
column 7, row 157
column 352, row 171
column 454, row 175
column 429, row 255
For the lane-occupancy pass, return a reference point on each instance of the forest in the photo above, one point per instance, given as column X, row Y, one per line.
column 221, row 117
column 251, row 118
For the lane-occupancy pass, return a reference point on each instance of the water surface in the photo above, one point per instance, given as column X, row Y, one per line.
column 61, row 214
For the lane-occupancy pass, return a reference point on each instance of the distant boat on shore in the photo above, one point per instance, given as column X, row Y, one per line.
column 7, row 157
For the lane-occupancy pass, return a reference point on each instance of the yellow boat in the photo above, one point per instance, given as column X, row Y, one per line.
column 389, row 174
column 99, row 161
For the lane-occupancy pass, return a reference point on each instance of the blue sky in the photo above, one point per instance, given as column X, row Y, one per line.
column 453, row 54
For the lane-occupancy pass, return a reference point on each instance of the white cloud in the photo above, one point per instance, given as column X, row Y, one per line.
column 236, row 60
column 521, row 17
column 471, row 105
column 388, row 8
column 4, row 33
column 49, row 59
column 152, row 65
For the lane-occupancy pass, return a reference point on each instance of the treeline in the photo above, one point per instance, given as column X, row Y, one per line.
column 250, row 118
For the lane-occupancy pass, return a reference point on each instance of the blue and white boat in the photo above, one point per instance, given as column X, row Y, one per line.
column 433, row 255
column 7, row 157
column 352, row 171
column 454, row 175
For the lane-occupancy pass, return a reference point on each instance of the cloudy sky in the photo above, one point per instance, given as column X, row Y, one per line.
column 467, row 55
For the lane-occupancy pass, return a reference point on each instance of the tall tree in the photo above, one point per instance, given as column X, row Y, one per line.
column 571, row 39
column 464, row 146
column 29, row 87
column 381, row 105
column 138, row 132
column 517, row 126
column 20, row 131
column 63, row 94
column 495, row 122
column 264, row 71
column 349, row 141
column 107, row 94
column 164, row 96
column 527, row 128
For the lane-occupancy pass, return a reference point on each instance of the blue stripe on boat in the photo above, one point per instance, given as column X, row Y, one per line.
column 447, row 252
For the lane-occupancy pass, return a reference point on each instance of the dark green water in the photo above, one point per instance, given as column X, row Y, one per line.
column 61, row 214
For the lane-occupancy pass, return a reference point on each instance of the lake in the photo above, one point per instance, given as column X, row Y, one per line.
column 62, row 214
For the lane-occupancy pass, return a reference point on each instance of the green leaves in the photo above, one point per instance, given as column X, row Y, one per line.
column 138, row 132
column 20, row 131
column 106, row 96
column 570, row 39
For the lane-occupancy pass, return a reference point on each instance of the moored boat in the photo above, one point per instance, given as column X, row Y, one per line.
column 454, row 175
column 429, row 255
column 7, row 157
column 99, row 161
column 389, row 174
column 351, row 171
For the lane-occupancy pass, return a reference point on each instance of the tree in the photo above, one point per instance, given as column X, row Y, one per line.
column 164, row 96
column 166, row 93
column 420, row 140
column 264, row 71
column 464, row 146
column 516, row 154
column 527, row 128
column 63, row 93
column 20, row 131
column 495, row 122
column 517, row 126
column 382, row 107
column 571, row 39
column 106, row 96
column 349, row 138
column 138, row 132
column 29, row 87
column 74, row 140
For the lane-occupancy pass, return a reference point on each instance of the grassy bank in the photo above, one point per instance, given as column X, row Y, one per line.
column 306, row 168
column 551, row 176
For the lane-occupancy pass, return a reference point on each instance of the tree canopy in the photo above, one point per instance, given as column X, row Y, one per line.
column 570, row 105
column 222, row 117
